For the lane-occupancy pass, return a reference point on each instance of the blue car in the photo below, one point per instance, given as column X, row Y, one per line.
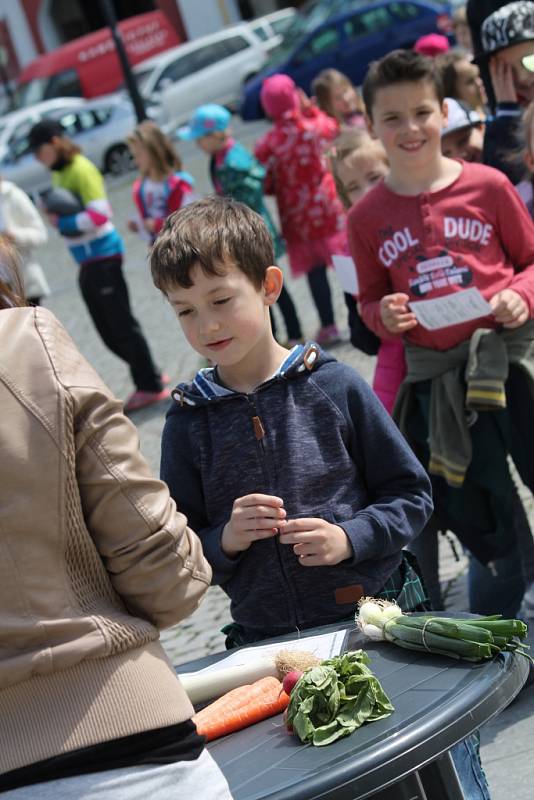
column 345, row 35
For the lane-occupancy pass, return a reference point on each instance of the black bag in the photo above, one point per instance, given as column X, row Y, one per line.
column 360, row 336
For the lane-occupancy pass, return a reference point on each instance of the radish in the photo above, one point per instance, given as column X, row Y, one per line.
column 290, row 680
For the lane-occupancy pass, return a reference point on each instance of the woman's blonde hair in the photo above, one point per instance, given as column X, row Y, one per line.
column 162, row 152
column 323, row 86
column 11, row 286
column 347, row 144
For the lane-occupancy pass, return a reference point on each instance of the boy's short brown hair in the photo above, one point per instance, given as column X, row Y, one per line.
column 399, row 66
column 211, row 232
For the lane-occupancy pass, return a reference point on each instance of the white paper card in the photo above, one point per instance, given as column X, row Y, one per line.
column 450, row 310
column 346, row 273
column 326, row 645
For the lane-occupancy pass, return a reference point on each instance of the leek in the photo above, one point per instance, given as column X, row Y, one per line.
column 469, row 639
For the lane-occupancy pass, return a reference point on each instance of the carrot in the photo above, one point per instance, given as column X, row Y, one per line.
column 241, row 707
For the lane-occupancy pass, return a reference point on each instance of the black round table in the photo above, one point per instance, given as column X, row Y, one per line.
column 438, row 702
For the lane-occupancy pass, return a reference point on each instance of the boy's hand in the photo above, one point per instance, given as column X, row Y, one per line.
column 395, row 314
column 255, row 516
column 502, row 79
column 317, row 543
column 509, row 309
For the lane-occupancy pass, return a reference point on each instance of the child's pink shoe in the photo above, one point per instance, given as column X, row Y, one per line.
column 327, row 335
column 141, row 399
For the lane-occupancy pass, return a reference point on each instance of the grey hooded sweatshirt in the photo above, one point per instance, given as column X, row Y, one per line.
column 316, row 436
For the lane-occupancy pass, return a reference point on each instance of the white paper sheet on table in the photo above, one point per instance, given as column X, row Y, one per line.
column 345, row 269
column 450, row 310
column 326, row 645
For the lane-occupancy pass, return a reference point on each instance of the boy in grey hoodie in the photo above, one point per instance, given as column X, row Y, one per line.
column 299, row 485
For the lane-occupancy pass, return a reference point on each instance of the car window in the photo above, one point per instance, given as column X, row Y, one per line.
column 174, row 71
column 102, row 114
column 64, row 84
column 19, row 143
column 405, row 11
column 235, row 44
column 209, row 54
column 260, row 32
column 87, row 120
column 70, row 123
column 324, row 41
column 281, row 25
column 372, row 21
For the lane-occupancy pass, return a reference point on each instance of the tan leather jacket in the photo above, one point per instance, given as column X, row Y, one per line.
column 94, row 557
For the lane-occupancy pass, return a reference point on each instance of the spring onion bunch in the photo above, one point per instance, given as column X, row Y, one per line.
column 469, row 639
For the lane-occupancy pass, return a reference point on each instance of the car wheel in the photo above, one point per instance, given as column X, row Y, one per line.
column 119, row 160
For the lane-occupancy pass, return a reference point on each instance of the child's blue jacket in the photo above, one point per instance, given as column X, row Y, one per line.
column 329, row 450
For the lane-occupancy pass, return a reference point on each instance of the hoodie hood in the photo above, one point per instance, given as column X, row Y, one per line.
column 205, row 388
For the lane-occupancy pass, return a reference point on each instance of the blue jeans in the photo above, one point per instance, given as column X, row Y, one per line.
column 466, row 757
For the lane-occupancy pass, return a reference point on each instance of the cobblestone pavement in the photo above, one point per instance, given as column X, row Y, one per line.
column 199, row 635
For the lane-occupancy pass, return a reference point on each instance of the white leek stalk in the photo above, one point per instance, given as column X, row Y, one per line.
column 207, row 685
column 373, row 615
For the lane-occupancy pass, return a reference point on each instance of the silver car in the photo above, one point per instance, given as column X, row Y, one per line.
column 99, row 127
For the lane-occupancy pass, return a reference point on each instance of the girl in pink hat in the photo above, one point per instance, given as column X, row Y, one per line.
column 311, row 214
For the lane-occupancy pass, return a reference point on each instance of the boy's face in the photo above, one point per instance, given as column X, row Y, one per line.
column 360, row 171
column 523, row 78
column 224, row 317
column 211, row 143
column 47, row 153
column 408, row 118
column 467, row 143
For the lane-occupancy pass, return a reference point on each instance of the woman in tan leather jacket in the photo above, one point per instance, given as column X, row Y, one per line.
column 94, row 560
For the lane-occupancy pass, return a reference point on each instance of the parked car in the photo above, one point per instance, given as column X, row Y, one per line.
column 210, row 69
column 89, row 66
column 99, row 127
column 272, row 27
column 345, row 35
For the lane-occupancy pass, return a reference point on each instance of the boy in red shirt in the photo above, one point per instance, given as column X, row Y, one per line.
column 433, row 228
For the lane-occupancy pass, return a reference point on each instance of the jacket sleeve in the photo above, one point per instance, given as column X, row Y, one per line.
column 502, row 138
column 28, row 229
column 400, row 496
column 154, row 561
column 183, row 478
column 92, row 193
column 520, row 248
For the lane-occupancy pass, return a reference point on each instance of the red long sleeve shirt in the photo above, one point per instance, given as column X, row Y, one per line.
column 475, row 232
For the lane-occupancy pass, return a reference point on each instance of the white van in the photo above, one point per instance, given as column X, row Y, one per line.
column 211, row 69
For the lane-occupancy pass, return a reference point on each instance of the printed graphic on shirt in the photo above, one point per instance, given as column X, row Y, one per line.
column 402, row 249
column 438, row 273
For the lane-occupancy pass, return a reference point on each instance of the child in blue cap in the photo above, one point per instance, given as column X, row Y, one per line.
column 236, row 173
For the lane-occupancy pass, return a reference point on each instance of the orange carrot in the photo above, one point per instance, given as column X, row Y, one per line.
column 241, row 707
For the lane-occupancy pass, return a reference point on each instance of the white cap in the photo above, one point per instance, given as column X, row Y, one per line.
column 460, row 116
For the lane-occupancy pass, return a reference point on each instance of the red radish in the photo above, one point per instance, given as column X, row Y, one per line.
column 290, row 680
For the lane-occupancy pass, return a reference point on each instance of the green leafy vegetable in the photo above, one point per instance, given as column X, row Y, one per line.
column 332, row 700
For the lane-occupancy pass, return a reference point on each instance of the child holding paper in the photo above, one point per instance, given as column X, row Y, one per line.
column 433, row 228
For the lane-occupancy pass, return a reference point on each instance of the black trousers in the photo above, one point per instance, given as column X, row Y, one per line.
column 105, row 293
column 322, row 296
column 289, row 313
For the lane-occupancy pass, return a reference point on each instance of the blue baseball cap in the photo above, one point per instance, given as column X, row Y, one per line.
column 206, row 119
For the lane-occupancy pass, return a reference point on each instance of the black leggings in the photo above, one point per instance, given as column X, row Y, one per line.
column 105, row 293
column 289, row 313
